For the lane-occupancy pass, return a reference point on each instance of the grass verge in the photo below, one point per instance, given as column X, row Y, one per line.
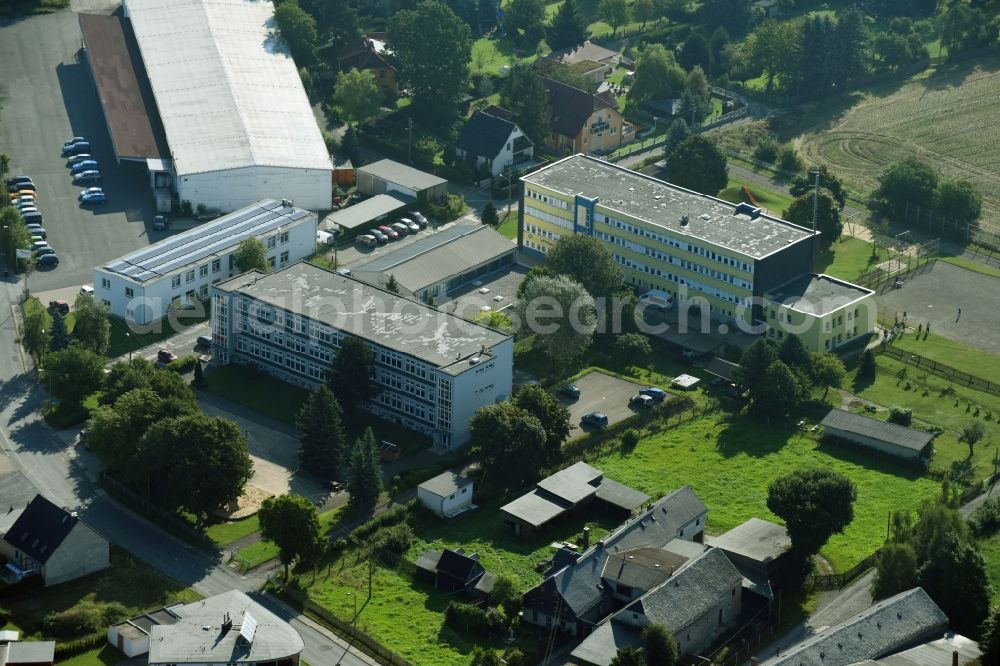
column 971, row 265
column 509, row 227
column 104, row 655
column 952, row 353
column 223, row 534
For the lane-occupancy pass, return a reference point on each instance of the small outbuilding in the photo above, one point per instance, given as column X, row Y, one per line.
column 364, row 215
column 388, row 176
column 28, row 653
column 447, row 494
column 454, row 571
column 685, row 382
column 881, row 436
column 759, row 550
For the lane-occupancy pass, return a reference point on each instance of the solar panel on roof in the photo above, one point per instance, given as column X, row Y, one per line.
column 248, row 628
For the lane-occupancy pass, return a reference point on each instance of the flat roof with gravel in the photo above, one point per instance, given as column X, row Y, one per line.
column 738, row 227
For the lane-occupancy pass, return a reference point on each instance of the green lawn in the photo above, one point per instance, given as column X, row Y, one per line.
column 971, row 265
column 955, row 354
column 729, row 462
column 34, row 305
column 128, row 582
column 104, row 655
column 255, row 554
column 282, row 402
column 223, row 534
column 487, row 58
column 509, row 226
column 261, row 551
column 774, row 202
column 847, row 258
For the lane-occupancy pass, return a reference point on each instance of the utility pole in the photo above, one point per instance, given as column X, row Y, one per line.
column 409, row 143
column 816, row 200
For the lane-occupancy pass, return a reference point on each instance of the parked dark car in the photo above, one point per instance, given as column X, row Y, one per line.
column 569, row 391
column 165, row 356
column 59, row 306
column 203, row 341
column 595, row 419
column 160, row 222
column 47, row 261
column 640, row 401
column 76, row 148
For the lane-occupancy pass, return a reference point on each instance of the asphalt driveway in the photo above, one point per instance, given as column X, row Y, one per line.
column 46, row 96
column 601, row 393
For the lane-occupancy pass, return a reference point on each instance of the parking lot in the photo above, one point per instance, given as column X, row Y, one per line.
column 47, row 95
column 601, row 393
column 354, row 255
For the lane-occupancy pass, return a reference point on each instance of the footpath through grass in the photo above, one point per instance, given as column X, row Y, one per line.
column 952, row 353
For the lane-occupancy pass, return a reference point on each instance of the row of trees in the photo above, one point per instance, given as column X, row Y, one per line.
column 778, row 380
column 151, row 434
column 914, row 182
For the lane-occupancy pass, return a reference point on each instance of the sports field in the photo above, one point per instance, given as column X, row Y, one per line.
column 946, row 117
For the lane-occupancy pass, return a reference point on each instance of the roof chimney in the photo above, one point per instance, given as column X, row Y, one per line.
column 954, row 658
column 754, row 661
column 586, row 539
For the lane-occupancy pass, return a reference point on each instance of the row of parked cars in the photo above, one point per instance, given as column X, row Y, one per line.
column 23, row 195
column 387, row 232
column 85, row 169
column 645, row 398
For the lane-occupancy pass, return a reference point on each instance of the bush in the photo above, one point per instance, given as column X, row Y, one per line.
column 789, row 160
column 392, row 516
column 766, row 150
column 183, row 364
column 473, row 619
column 900, row 416
column 395, row 539
column 630, row 438
column 448, row 210
column 85, row 618
column 985, row 520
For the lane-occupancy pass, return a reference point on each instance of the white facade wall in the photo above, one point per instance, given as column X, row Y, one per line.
column 145, row 303
column 414, row 393
column 505, row 157
column 131, row 647
column 442, row 506
column 232, row 189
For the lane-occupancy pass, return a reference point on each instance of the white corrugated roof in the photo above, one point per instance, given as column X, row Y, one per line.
column 227, row 89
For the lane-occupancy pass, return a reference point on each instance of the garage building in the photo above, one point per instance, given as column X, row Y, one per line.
column 388, row 176
column 236, row 118
column 364, row 215
column 435, row 266
column 882, row 436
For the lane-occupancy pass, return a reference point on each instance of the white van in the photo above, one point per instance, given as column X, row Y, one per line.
column 655, row 298
column 366, row 240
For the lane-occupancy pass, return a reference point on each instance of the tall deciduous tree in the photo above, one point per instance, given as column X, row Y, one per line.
column 908, row 180
column 524, row 95
column 525, row 21
column 698, row 165
column 695, row 52
column 895, row 570
column 35, row 339
column 955, row 577
column 352, row 376
column 59, row 338
column 828, row 221
column 794, row 354
column 815, row 504
column 510, row 443
column 827, row 370
column 958, row 200
column 736, row 16
column 490, row 217
column 551, row 413
column 772, row 48
column 357, row 93
column 251, row 255
column 567, row 28
column 587, row 261
column 92, row 327
column 754, row 362
column 125, row 376
column 781, row 391
column 74, row 373
column 972, row 433
column 298, row 29
column 851, row 58
column 290, row 522
column 806, row 183
column 644, row 11
column 432, row 48
column 321, row 434
column 562, row 315
column 364, row 481
column 657, row 75
column 628, row 656
column 615, row 13
column 203, row 463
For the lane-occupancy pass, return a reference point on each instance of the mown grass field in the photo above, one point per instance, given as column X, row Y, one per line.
column 953, row 353
column 944, row 116
column 847, row 258
column 774, row 202
column 730, row 461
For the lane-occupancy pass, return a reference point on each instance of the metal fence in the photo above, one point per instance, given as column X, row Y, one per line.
column 899, row 265
column 836, row 581
column 945, row 371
